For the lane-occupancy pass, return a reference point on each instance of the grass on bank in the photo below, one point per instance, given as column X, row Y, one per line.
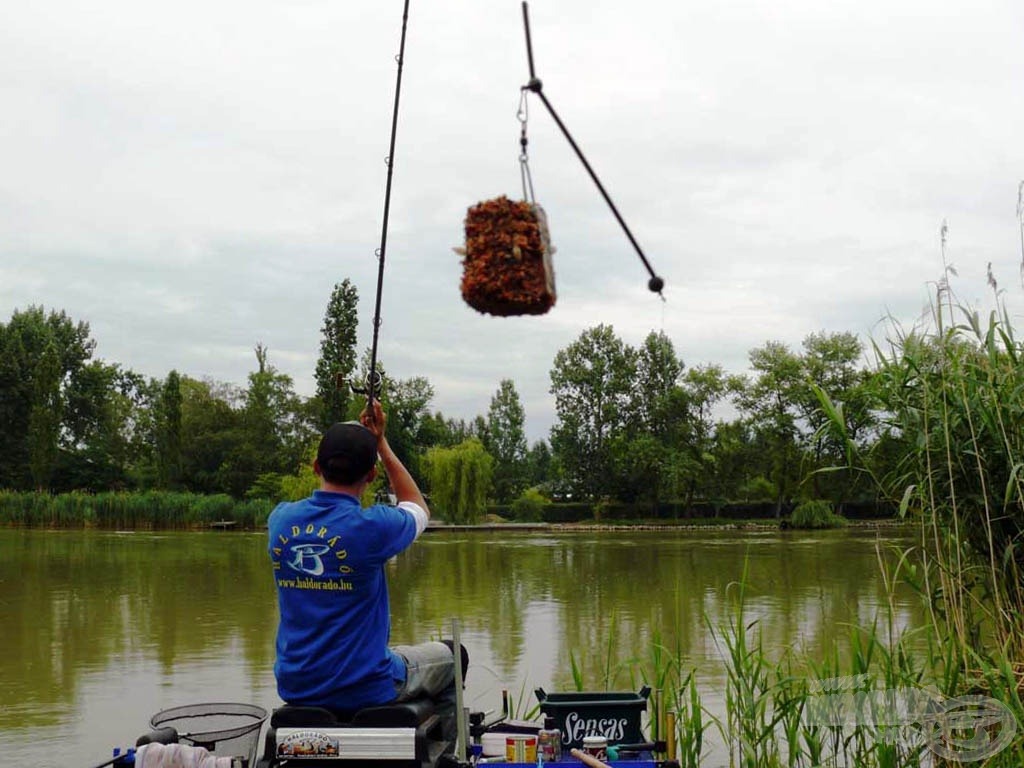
column 140, row 509
column 175, row 510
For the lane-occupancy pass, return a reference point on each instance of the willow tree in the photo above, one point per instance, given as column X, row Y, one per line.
column 458, row 479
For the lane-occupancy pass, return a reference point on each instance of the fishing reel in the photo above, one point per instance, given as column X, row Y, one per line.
column 372, row 386
column 376, row 386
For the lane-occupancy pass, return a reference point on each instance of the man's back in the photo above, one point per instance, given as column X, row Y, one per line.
column 328, row 556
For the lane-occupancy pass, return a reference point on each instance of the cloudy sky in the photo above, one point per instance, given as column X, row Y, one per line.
column 192, row 178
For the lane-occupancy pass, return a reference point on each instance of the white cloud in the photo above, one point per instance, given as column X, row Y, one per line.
column 193, row 178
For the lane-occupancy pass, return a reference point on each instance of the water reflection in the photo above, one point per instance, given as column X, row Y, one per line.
column 101, row 630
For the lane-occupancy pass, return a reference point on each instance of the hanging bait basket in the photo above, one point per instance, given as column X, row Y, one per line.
column 507, row 266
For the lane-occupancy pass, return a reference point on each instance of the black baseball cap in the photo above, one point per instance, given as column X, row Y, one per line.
column 347, row 451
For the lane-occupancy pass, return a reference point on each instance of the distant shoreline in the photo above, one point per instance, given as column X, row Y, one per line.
column 696, row 525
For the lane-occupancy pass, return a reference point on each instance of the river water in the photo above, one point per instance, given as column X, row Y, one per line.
column 100, row 630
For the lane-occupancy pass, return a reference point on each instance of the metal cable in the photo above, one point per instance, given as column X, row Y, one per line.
column 523, row 115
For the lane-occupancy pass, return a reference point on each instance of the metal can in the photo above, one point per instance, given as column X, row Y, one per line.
column 596, row 746
column 521, row 748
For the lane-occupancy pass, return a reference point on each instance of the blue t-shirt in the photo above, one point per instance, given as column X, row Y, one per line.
column 328, row 555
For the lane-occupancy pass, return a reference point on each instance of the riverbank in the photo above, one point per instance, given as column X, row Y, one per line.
column 172, row 510
column 710, row 524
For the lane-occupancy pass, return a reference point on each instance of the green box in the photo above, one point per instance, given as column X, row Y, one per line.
column 612, row 714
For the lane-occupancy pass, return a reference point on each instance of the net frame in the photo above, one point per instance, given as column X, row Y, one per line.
column 220, row 735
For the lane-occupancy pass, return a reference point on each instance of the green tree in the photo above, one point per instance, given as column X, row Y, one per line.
column 650, row 456
column 640, row 463
column 28, row 371
column 337, row 358
column 13, row 400
column 656, row 382
column 831, row 365
column 407, row 402
column 592, row 380
column 211, row 432
column 412, row 428
column 45, row 417
column 769, row 401
column 458, row 479
column 168, row 447
column 435, row 429
column 478, row 429
column 539, row 465
column 738, row 459
column 102, row 415
column 507, row 441
column 274, row 430
column 704, row 387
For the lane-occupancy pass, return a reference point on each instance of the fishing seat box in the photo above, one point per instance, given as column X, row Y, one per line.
column 406, row 735
column 613, row 714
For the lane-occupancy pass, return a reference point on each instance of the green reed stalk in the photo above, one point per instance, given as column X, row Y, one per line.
column 119, row 510
column 954, row 398
column 857, row 687
column 751, row 720
column 690, row 723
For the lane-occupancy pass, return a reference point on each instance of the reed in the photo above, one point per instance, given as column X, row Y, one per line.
column 125, row 511
column 750, row 722
column 952, row 391
column 956, row 392
column 866, row 703
column 692, row 722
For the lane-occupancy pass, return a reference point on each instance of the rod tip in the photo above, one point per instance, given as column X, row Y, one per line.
column 655, row 284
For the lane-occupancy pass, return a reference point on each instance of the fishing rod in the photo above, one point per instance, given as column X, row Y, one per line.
column 374, row 381
column 655, row 284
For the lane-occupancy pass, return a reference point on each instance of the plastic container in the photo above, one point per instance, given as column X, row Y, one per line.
column 493, row 744
column 549, row 742
column 493, row 741
column 612, row 714
column 520, row 748
column 596, row 746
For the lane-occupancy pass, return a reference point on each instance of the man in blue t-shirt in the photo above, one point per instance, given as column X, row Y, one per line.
column 328, row 555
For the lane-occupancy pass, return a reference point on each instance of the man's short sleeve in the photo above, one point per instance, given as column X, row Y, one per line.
column 396, row 530
column 417, row 512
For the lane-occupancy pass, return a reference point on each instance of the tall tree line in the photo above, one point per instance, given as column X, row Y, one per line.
column 632, row 424
column 636, row 425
